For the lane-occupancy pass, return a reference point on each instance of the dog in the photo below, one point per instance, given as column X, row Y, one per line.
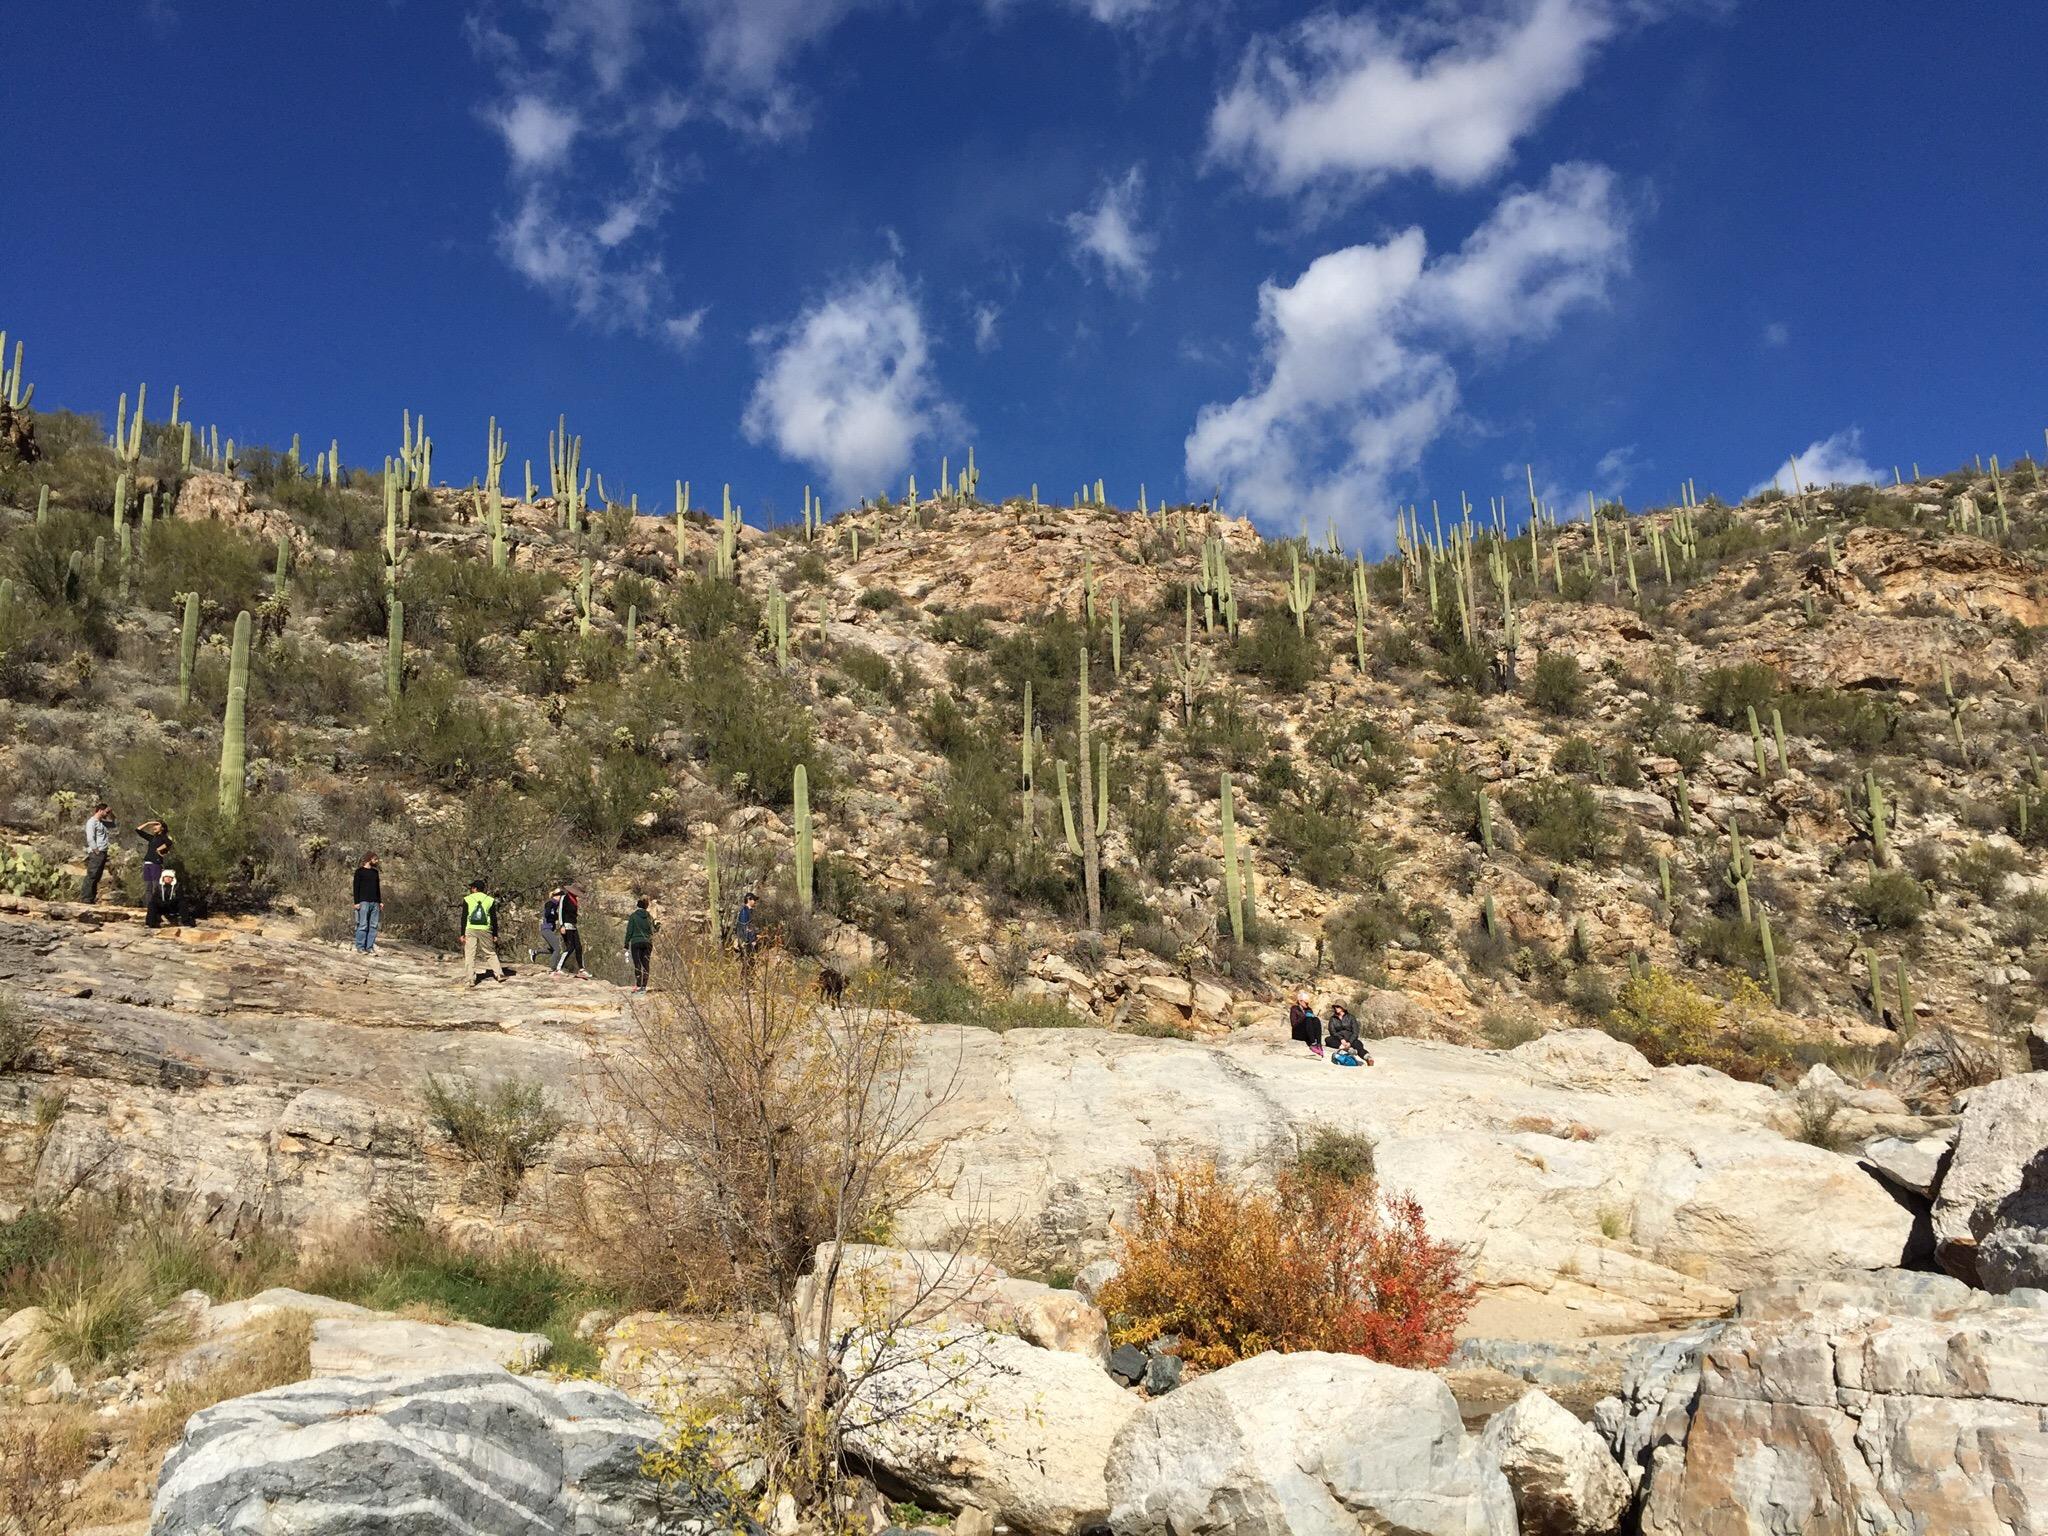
column 832, row 986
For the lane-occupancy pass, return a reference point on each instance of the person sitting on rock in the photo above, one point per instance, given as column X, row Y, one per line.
column 1344, row 1035
column 1303, row 1024
column 163, row 905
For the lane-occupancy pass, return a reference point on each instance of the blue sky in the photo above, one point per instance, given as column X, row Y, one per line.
column 1328, row 259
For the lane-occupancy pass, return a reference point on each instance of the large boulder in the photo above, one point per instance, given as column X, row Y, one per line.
column 887, row 1286
column 1565, row 1480
column 2004, row 1129
column 1306, row 1445
column 348, row 1346
column 2015, row 1252
column 461, row 1453
column 1909, row 1163
column 1842, row 1408
column 987, row 1421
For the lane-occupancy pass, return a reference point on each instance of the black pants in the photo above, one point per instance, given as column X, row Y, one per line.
column 572, row 950
column 643, row 955
column 95, row 866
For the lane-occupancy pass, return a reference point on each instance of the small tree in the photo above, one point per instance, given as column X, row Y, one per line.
column 745, row 1144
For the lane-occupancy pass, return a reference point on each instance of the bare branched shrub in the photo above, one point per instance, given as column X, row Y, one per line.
column 747, row 1140
column 37, row 1460
column 503, row 1130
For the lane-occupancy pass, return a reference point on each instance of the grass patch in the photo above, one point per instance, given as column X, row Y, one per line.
column 938, row 1001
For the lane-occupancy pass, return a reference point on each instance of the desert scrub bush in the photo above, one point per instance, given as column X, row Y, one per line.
column 503, row 1130
column 1675, row 1024
column 1559, row 819
column 950, row 1001
column 1576, row 755
column 453, row 740
column 1323, row 841
column 223, row 865
column 516, row 846
column 1327, row 1152
column 1272, row 649
column 602, row 792
column 880, row 599
column 1505, row 1031
column 19, row 1035
column 1725, row 695
column 1983, row 868
column 1358, row 933
column 753, row 728
column 1891, row 900
column 1558, row 685
column 1815, row 1113
column 705, row 608
column 229, row 570
column 1305, row 1263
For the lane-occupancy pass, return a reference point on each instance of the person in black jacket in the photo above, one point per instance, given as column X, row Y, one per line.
column 1303, row 1024
column 369, row 900
column 571, row 923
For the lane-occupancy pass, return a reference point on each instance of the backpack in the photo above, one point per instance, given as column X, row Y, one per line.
column 550, row 912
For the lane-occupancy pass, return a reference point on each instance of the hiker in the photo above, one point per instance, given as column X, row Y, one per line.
column 369, row 899
column 569, row 920
column 551, row 928
column 156, row 853
column 480, row 933
column 746, row 934
column 99, row 841
column 162, row 903
column 1345, row 1040
column 1303, row 1024
column 640, row 928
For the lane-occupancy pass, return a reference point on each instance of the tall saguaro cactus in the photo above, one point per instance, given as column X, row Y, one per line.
column 711, row 905
column 1233, row 881
column 188, row 649
column 394, row 651
column 801, row 797
column 1091, row 853
column 233, row 741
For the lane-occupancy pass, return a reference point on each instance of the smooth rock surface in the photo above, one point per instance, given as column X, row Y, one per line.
column 1305, row 1445
column 460, row 1453
column 1565, row 1479
column 1913, row 1165
column 347, row 1346
column 878, row 1286
column 990, row 1421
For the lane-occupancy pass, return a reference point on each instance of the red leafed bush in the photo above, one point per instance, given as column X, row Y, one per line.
column 1305, row 1263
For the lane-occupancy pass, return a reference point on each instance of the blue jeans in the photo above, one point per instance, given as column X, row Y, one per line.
column 369, row 918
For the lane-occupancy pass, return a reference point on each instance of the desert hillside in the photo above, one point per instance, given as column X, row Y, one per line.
column 1682, row 865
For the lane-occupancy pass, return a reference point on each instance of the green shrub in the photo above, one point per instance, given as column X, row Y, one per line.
column 1727, row 694
column 1272, row 649
column 603, row 793
column 880, row 599
column 1890, row 900
column 1324, row 1152
column 753, row 727
column 1560, row 819
column 1558, row 686
column 1577, row 755
column 1358, row 933
column 453, row 740
column 503, row 1130
column 1984, row 867
column 517, row 847
column 705, row 608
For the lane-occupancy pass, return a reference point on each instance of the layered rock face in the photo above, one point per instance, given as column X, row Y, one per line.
column 1892, row 1403
column 464, row 1453
column 1991, row 1208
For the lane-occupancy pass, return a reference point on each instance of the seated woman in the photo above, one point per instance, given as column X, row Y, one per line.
column 1345, row 1035
column 1303, row 1024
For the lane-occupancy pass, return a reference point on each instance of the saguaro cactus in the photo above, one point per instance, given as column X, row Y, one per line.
column 1233, row 882
column 801, row 799
column 233, row 743
column 711, row 905
column 188, row 649
column 1091, row 853
column 394, row 650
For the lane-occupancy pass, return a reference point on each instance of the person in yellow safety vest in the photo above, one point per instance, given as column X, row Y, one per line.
column 480, row 934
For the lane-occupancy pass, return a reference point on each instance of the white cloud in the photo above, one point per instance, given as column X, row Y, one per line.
column 604, row 286
column 1108, row 231
column 1617, row 467
column 847, row 386
column 1346, row 101
column 1358, row 377
column 1836, row 460
column 1114, row 11
column 537, row 133
column 1777, row 334
column 605, row 32
column 986, row 318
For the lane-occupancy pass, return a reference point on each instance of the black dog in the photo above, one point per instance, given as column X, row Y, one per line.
column 832, row 986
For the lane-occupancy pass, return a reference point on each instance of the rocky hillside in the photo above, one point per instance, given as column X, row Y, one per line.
column 1778, row 754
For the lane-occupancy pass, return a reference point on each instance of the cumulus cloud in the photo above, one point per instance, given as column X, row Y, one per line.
column 1836, row 460
column 1107, row 233
column 586, row 266
column 537, row 133
column 1359, row 379
column 847, row 388
column 1343, row 102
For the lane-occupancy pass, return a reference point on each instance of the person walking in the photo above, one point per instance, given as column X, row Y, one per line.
column 746, row 933
column 156, row 853
column 480, row 934
column 570, row 962
column 640, row 943
column 99, row 841
column 368, row 896
column 551, row 928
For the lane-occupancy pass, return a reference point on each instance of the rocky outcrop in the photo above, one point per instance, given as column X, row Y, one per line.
column 2004, row 1130
column 986, row 1421
column 466, row 1453
column 888, row 1286
column 375, row 1346
column 1281, row 1445
column 1564, row 1477
column 1913, row 1165
column 1836, row 1408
